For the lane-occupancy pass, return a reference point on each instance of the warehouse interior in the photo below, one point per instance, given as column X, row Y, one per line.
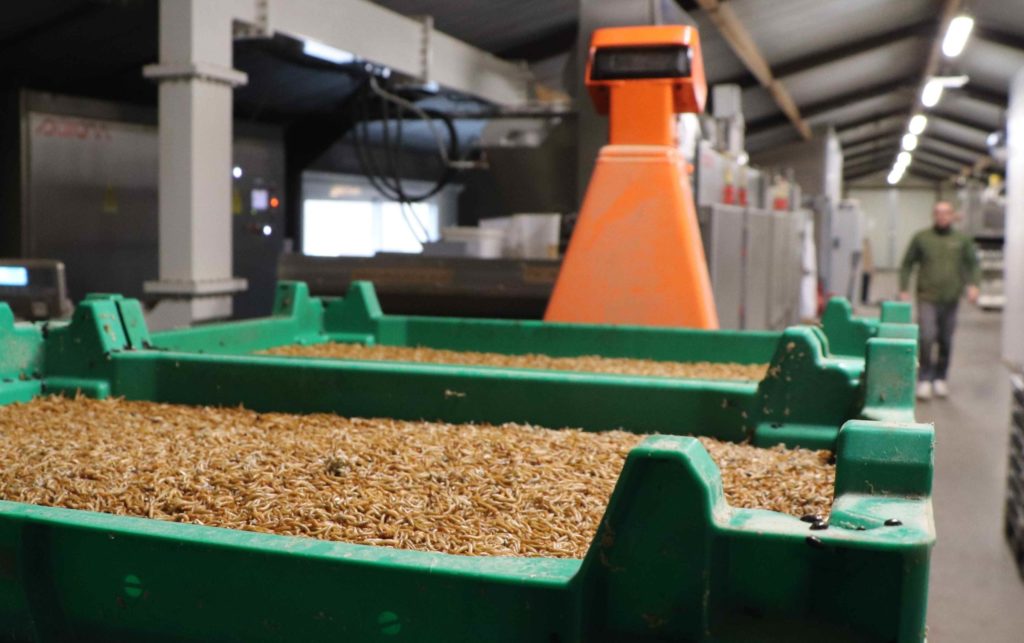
column 573, row 320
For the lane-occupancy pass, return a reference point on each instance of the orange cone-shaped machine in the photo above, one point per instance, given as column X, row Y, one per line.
column 636, row 256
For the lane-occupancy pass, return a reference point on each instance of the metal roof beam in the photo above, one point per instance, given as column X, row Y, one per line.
column 407, row 45
column 739, row 39
column 919, row 161
column 888, row 131
column 963, row 120
column 843, row 100
column 937, row 160
column 866, row 168
column 859, row 95
column 872, row 144
column 860, row 157
column 982, row 94
column 938, row 116
column 928, row 174
column 949, row 141
column 866, row 156
column 999, row 37
column 874, row 157
column 936, row 156
column 867, row 171
column 847, row 50
column 881, row 116
column 949, row 150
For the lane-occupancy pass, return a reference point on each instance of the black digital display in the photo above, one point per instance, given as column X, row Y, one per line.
column 620, row 63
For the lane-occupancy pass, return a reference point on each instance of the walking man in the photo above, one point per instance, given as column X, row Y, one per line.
column 947, row 262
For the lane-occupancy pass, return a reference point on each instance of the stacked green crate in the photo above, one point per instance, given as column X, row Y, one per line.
column 671, row 560
column 815, row 380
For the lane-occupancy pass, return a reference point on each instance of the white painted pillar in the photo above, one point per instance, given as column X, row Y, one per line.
column 196, row 83
column 1013, row 313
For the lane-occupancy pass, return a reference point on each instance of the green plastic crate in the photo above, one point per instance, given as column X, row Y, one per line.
column 817, row 379
column 671, row 561
column 300, row 319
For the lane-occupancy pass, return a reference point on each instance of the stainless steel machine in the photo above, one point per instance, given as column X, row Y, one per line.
column 88, row 197
column 846, row 245
column 754, row 259
column 723, row 229
column 984, row 219
column 753, row 235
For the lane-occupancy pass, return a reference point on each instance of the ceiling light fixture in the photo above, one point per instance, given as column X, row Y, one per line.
column 957, row 33
column 917, row 124
column 931, row 93
column 331, row 54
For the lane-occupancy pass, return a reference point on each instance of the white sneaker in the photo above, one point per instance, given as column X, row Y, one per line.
column 941, row 389
column 924, row 390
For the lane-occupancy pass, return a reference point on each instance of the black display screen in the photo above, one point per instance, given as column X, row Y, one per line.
column 618, row 63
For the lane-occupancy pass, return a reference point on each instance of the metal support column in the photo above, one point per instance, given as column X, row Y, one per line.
column 196, row 81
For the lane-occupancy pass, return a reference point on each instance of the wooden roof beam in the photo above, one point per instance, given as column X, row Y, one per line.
column 740, row 41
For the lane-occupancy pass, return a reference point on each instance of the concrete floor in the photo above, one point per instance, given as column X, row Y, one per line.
column 975, row 592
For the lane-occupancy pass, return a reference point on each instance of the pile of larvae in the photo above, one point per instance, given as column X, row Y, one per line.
column 474, row 489
column 585, row 363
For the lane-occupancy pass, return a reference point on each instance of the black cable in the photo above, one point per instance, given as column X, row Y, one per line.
column 392, row 156
column 365, row 155
column 389, row 184
column 387, row 180
column 366, row 160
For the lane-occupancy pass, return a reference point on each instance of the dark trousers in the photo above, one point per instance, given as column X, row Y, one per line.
column 936, row 323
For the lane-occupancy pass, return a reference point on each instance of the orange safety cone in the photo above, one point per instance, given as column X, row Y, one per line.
column 635, row 256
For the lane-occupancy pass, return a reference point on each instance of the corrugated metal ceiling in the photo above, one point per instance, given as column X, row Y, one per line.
column 961, row 106
column 990, row 64
column 1004, row 15
column 849, row 75
column 829, row 54
column 787, row 30
column 852, row 65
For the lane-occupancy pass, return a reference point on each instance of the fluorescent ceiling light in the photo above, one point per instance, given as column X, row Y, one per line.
column 909, row 142
column 904, row 158
column 917, row 124
column 956, row 36
column 931, row 93
column 327, row 52
column 952, row 81
column 894, row 178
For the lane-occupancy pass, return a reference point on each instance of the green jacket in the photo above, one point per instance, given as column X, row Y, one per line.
column 947, row 262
